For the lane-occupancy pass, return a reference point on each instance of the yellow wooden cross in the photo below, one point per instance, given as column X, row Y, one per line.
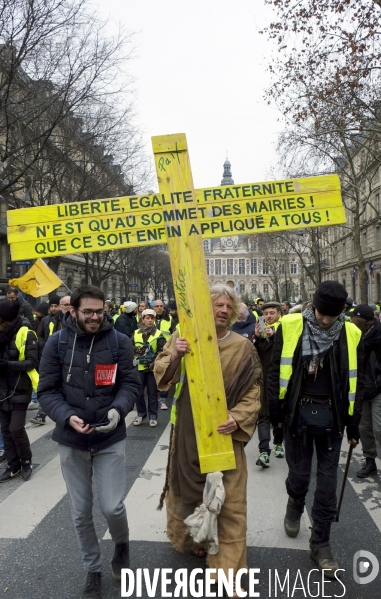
column 179, row 216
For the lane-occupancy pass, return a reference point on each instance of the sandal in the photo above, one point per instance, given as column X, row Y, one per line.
column 198, row 552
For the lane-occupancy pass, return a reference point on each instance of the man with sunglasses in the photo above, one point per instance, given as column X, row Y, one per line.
column 88, row 385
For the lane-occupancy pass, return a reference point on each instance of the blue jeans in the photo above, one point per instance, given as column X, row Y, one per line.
column 299, row 460
column 108, row 467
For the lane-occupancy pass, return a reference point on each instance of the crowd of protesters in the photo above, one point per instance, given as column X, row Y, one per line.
column 86, row 362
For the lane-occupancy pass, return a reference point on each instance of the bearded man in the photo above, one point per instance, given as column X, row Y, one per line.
column 242, row 375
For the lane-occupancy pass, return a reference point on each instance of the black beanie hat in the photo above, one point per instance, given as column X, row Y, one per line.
column 329, row 298
column 172, row 305
column 42, row 308
column 9, row 310
column 55, row 299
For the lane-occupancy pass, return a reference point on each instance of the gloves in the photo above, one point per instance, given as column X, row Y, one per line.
column 353, row 432
column 114, row 417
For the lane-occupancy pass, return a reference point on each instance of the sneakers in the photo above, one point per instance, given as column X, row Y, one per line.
column 279, row 451
column 2, row 456
column 38, row 420
column 138, row 420
column 34, row 405
column 26, row 469
column 152, row 422
column 121, row 559
column 9, row 473
column 92, row 588
column 163, row 406
column 263, row 460
column 369, row 468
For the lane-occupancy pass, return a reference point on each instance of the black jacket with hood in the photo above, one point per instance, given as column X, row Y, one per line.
column 286, row 409
column 62, row 397
column 245, row 328
column 14, row 379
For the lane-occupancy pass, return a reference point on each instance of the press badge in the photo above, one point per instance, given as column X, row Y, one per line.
column 105, row 374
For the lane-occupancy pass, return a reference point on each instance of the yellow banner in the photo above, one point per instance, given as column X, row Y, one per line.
column 38, row 280
column 145, row 220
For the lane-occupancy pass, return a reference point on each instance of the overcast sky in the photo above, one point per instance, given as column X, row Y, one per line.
column 200, row 69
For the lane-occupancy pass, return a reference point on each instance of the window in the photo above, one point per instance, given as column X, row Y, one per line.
column 241, row 266
column 378, row 236
column 293, row 268
column 282, row 268
column 254, row 288
column 229, row 266
column 378, row 206
column 242, row 288
column 266, row 288
column 344, row 251
column 253, row 267
column 206, row 245
column 217, row 266
column 265, row 268
column 207, row 266
column 377, row 175
column 364, row 241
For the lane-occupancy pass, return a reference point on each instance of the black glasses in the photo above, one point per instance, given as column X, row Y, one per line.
column 90, row 313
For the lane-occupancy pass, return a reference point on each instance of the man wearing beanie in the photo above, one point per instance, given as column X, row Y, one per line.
column 126, row 323
column 18, row 377
column 370, row 424
column 315, row 386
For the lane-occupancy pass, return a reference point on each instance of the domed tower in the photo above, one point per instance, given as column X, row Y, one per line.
column 227, row 178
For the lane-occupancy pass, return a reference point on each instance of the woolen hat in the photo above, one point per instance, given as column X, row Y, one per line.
column 172, row 305
column 42, row 308
column 363, row 311
column 55, row 299
column 148, row 312
column 329, row 298
column 129, row 307
column 349, row 301
column 9, row 310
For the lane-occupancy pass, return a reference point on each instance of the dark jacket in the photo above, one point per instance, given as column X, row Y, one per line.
column 25, row 311
column 265, row 347
column 338, row 359
column 372, row 361
column 245, row 328
column 61, row 398
column 126, row 323
column 43, row 332
column 14, row 380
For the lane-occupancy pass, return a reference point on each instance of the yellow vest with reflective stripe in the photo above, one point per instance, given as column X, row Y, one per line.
column 51, row 328
column 20, row 342
column 292, row 328
column 165, row 326
column 152, row 340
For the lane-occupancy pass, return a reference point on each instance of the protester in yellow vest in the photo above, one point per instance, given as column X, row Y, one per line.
column 264, row 344
column 148, row 343
column 18, row 377
column 315, row 386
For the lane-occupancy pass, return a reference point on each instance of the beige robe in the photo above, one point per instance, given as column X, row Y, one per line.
column 185, row 479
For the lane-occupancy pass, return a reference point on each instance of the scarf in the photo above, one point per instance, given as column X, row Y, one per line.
column 146, row 331
column 316, row 341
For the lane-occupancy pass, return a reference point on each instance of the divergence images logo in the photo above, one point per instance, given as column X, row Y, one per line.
column 367, row 564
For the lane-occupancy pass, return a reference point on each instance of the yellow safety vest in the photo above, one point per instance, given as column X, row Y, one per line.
column 292, row 328
column 164, row 326
column 274, row 326
column 152, row 340
column 20, row 342
column 51, row 328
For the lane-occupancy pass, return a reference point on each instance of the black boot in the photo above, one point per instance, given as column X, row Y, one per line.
column 368, row 469
column 294, row 512
column 92, row 588
column 320, row 549
column 121, row 559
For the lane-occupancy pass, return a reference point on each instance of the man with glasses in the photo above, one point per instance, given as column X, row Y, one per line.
column 88, row 385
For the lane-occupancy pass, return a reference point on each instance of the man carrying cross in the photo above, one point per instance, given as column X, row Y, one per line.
column 242, row 375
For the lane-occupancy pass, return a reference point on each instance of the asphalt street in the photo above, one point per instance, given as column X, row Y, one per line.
column 38, row 549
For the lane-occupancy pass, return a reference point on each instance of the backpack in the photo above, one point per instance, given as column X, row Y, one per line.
column 148, row 357
column 112, row 340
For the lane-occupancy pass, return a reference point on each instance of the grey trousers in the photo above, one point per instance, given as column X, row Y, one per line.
column 370, row 426
column 108, row 467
